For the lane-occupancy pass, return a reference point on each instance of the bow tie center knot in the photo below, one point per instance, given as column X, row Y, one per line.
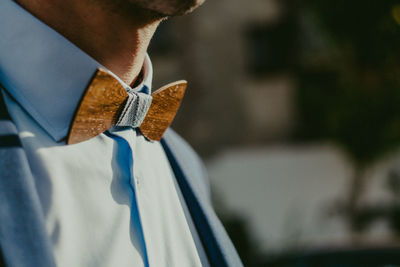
column 135, row 110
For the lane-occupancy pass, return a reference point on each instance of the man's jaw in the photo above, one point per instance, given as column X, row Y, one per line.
column 169, row 7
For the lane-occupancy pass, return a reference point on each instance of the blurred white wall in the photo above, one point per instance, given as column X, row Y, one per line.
column 284, row 193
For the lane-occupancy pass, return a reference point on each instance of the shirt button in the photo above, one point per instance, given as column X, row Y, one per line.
column 136, row 181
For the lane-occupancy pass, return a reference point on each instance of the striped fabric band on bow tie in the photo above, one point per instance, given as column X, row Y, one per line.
column 107, row 103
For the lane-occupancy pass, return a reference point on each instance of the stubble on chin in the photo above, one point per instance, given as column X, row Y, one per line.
column 150, row 8
column 168, row 7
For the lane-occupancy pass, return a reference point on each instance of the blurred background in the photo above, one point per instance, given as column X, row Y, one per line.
column 295, row 108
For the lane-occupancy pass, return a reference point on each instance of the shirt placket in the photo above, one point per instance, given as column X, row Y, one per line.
column 125, row 141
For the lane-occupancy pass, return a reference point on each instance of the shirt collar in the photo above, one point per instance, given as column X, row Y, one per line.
column 44, row 72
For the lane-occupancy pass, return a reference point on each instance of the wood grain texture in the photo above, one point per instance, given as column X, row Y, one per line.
column 99, row 108
column 165, row 104
column 104, row 99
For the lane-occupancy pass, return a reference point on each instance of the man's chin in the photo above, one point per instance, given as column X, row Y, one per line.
column 169, row 7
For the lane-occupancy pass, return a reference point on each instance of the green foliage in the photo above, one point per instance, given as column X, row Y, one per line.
column 351, row 94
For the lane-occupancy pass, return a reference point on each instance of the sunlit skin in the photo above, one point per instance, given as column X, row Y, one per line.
column 115, row 33
column 167, row 7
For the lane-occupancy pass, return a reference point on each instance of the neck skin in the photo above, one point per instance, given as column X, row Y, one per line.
column 114, row 33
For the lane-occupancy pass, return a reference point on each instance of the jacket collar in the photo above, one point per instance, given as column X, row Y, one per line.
column 43, row 71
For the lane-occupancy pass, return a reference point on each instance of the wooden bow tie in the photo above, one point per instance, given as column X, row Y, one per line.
column 104, row 100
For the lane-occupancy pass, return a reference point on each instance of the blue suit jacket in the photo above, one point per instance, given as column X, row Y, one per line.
column 23, row 237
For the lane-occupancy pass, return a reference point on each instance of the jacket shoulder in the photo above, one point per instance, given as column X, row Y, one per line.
column 190, row 160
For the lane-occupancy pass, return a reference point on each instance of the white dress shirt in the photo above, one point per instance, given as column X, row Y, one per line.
column 110, row 201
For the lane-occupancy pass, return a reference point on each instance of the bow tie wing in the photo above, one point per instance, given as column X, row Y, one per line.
column 99, row 108
column 165, row 104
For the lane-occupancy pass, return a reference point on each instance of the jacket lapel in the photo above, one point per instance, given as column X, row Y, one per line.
column 23, row 237
column 216, row 242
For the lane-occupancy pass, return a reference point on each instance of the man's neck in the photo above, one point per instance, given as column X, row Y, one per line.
column 115, row 36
